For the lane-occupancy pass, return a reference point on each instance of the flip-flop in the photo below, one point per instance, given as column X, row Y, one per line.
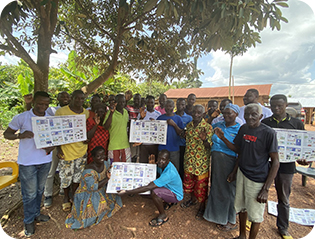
column 156, row 222
column 248, row 225
column 167, row 206
column 66, row 207
column 226, row 228
column 285, row 235
column 199, row 214
column 188, row 203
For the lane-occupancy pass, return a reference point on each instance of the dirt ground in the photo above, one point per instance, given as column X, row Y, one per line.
column 132, row 220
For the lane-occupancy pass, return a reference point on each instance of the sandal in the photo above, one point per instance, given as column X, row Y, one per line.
column 188, row 203
column 199, row 214
column 156, row 222
column 66, row 207
column 167, row 206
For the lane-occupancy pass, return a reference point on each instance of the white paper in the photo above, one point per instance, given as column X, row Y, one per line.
column 148, row 131
column 58, row 130
column 128, row 176
column 295, row 144
column 304, row 217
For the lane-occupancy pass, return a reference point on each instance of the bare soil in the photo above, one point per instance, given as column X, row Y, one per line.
column 132, row 220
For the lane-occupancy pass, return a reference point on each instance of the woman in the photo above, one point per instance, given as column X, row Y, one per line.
column 91, row 203
column 197, row 160
column 97, row 135
column 220, row 205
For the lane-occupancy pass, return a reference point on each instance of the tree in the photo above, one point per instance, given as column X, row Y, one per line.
column 158, row 39
column 31, row 24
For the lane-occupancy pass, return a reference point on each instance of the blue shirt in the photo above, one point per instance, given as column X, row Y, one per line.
column 172, row 138
column 229, row 133
column 170, row 179
column 186, row 119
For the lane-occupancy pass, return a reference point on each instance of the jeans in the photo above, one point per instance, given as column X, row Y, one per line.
column 283, row 184
column 51, row 175
column 33, row 179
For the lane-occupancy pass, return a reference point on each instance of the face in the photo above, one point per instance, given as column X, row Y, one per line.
column 223, row 104
column 191, row 100
column 63, row 98
column 99, row 157
column 78, row 100
column 40, row 105
column 150, row 104
column 95, row 100
column 212, row 106
column 100, row 111
column 180, row 105
column 162, row 100
column 229, row 115
column 137, row 100
column 169, row 108
column 252, row 117
column 197, row 114
column 162, row 160
column 278, row 107
column 121, row 102
column 111, row 99
column 249, row 97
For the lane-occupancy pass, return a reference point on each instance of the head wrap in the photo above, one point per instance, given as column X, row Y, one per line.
column 235, row 108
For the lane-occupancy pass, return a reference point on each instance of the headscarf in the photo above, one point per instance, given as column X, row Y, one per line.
column 235, row 108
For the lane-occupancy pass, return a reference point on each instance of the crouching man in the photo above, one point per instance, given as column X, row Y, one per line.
column 167, row 188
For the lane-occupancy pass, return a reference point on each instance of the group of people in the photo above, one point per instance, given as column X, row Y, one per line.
column 227, row 144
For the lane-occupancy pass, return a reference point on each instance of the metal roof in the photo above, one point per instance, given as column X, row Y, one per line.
column 217, row 92
column 305, row 102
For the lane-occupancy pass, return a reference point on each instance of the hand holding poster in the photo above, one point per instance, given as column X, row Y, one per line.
column 58, row 130
column 128, row 176
column 148, row 131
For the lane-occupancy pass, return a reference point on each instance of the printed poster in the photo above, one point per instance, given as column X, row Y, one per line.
column 58, row 130
column 295, row 144
column 148, row 131
column 128, row 176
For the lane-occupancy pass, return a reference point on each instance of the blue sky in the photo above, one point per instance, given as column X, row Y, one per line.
column 285, row 58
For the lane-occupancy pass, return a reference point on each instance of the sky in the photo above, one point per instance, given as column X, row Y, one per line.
column 285, row 58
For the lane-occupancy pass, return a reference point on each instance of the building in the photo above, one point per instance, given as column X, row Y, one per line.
column 203, row 95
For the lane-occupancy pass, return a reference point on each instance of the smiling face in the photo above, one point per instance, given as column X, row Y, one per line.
column 40, row 105
column 150, row 104
column 197, row 114
column 121, row 102
column 212, row 106
column 162, row 100
column 250, row 97
column 99, row 156
column 180, row 105
column 63, row 98
column 229, row 116
column 191, row 100
column 77, row 100
column 163, row 160
column 278, row 107
column 169, row 107
column 252, row 116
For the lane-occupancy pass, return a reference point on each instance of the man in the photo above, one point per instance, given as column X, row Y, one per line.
column 212, row 112
column 181, row 105
column 168, row 187
column 95, row 100
column 72, row 156
column 148, row 114
column 161, row 107
column 254, row 143
column 63, row 99
column 252, row 96
column 191, row 99
column 283, row 180
column 220, row 118
column 174, row 130
column 116, row 121
column 34, row 164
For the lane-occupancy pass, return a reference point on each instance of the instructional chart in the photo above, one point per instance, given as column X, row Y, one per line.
column 128, row 176
column 148, row 131
column 295, row 144
column 58, row 130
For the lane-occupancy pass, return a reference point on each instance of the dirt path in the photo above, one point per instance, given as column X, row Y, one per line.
column 132, row 220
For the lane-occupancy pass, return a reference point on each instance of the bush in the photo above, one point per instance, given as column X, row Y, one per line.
column 7, row 115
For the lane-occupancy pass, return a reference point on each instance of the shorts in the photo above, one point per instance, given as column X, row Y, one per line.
column 246, row 198
column 119, row 155
column 166, row 195
column 71, row 171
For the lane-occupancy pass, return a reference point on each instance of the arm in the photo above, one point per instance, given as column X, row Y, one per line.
column 263, row 194
column 232, row 175
column 142, row 189
column 203, row 137
column 108, row 121
column 10, row 134
column 28, row 99
column 91, row 132
column 177, row 129
column 229, row 144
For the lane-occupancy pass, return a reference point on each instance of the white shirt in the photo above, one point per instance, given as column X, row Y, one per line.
column 51, row 111
column 150, row 115
column 28, row 153
column 265, row 111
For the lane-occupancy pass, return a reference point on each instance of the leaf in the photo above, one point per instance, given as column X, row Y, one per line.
column 241, row 14
column 149, row 5
column 22, row 85
column 282, row 4
column 160, row 9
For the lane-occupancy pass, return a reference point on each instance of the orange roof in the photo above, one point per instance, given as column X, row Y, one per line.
column 216, row 92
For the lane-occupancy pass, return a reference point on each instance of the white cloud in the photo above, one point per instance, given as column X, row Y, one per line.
column 285, row 58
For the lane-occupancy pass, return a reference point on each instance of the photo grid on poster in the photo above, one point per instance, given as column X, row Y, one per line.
column 128, row 176
column 148, row 131
column 58, row 130
column 295, row 144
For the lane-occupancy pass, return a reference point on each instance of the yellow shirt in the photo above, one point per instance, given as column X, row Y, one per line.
column 74, row 150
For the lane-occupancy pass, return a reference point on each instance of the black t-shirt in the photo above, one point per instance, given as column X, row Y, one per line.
column 255, row 146
column 286, row 123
